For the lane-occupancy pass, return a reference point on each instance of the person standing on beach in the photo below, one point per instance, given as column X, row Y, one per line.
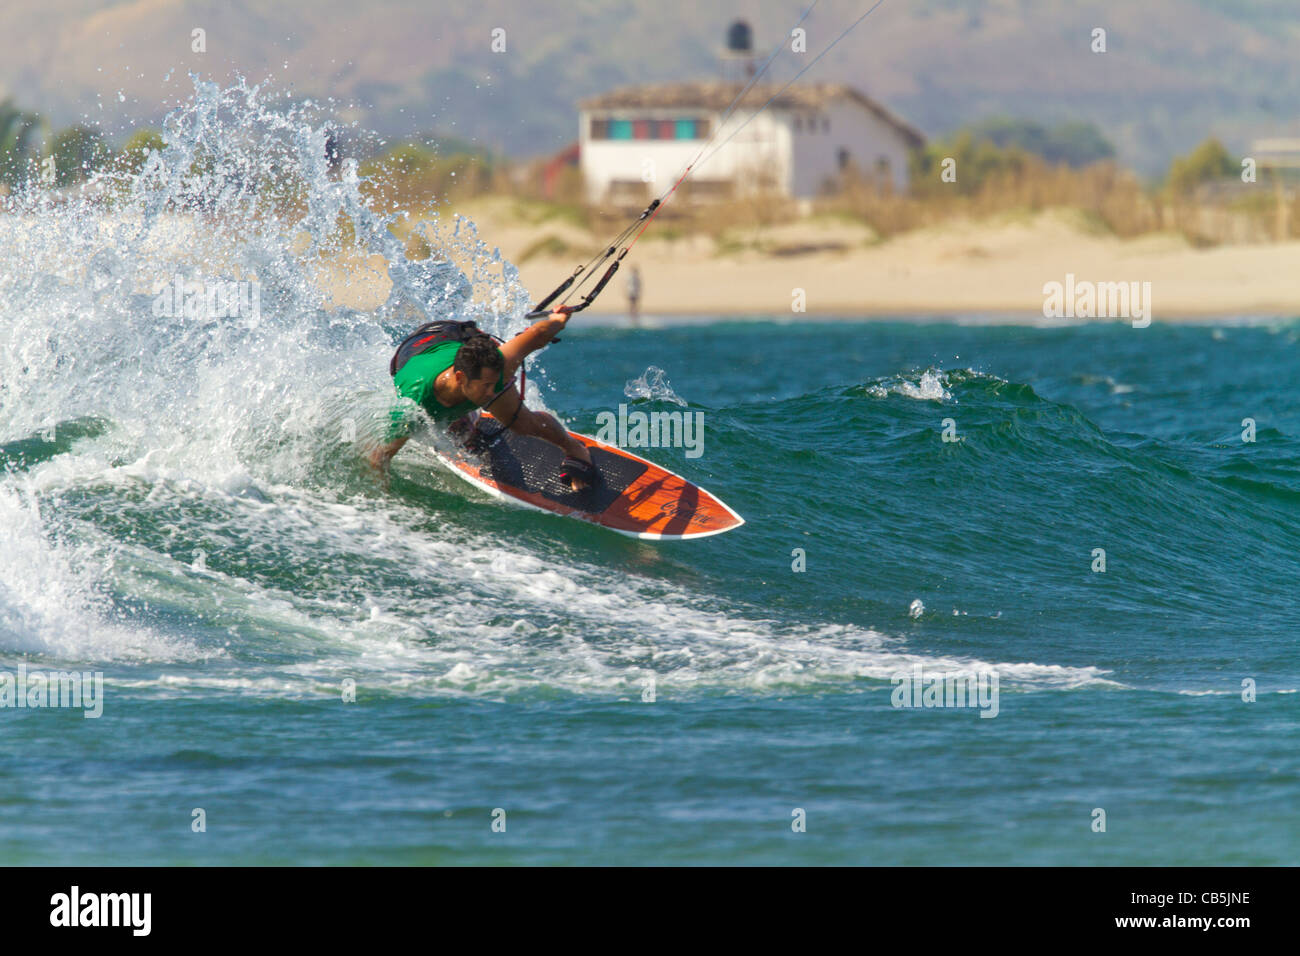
column 634, row 295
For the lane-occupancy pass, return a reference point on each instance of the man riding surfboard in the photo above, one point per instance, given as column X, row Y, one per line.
column 455, row 369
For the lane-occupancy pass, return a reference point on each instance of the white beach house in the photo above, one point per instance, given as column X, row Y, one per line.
column 635, row 141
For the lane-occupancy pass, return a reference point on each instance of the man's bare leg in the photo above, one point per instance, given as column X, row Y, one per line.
column 524, row 421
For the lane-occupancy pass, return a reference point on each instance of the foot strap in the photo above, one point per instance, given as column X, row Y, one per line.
column 575, row 468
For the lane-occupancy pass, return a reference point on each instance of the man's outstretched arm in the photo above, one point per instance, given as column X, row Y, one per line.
column 536, row 336
column 382, row 454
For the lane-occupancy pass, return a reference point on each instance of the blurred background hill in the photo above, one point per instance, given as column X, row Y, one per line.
column 1175, row 70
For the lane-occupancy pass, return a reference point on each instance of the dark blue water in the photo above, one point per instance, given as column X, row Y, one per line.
column 502, row 659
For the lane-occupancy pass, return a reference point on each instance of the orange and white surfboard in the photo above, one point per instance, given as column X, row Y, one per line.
column 635, row 497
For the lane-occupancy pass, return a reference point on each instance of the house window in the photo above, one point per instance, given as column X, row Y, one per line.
column 798, row 124
column 651, row 129
column 826, row 124
column 842, row 158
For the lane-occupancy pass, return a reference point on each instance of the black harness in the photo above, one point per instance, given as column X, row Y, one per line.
column 430, row 335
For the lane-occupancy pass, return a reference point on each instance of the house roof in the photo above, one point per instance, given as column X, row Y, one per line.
column 718, row 96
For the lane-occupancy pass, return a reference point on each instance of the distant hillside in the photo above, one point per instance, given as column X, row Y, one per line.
column 1174, row 71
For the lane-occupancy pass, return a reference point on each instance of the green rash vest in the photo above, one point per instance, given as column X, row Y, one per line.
column 415, row 379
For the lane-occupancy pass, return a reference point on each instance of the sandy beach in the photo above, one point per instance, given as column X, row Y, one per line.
column 996, row 268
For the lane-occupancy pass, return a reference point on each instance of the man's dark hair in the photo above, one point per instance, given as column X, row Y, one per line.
column 477, row 353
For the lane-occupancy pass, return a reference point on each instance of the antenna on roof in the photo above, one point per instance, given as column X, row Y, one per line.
column 738, row 61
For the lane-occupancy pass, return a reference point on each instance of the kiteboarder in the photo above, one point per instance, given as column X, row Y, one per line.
column 450, row 369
